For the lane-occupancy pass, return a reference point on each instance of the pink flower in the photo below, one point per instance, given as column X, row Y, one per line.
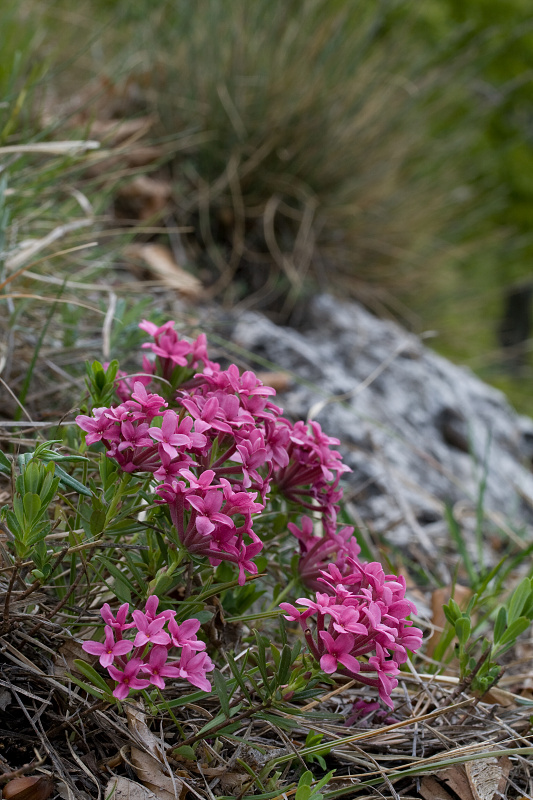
column 203, row 482
column 348, row 620
column 118, row 622
column 239, row 502
column 97, row 427
column 145, row 402
column 184, row 635
column 109, row 650
column 338, row 652
column 193, row 667
column 294, row 614
column 128, row 679
column 157, row 667
column 207, row 413
column 208, row 511
column 153, row 330
column 150, row 610
column 133, row 436
column 149, row 631
column 167, row 435
column 367, row 632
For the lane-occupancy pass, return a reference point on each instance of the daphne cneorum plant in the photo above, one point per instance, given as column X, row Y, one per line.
column 218, row 462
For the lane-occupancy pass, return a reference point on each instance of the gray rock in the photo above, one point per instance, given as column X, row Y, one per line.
column 417, row 431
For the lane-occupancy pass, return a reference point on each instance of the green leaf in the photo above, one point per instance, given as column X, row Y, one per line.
column 186, row 752
column 458, row 538
column 222, row 691
column 500, row 625
column 119, row 576
column 32, row 506
column 276, row 656
column 238, row 676
column 86, row 687
column 303, row 792
column 306, row 779
column 31, row 478
column 450, row 614
column 72, row 483
column 91, row 674
column 285, row 666
column 5, row 464
column 462, row 629
column 261, row 658
column 518, row 600
column 97, row 521
column 323, row 781
column 122, row 591
column 218, row 719
column 514, row 630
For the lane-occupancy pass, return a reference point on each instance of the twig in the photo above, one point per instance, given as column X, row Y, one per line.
column 36, row 583
column 224, row 724
column 16, row 773
column 5, row 623
column 59, row 606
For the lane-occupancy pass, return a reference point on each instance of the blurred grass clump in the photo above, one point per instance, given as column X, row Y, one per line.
column 327, row 158
column 376, row 149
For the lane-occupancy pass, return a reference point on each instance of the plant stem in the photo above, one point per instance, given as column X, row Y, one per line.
column 282, row 594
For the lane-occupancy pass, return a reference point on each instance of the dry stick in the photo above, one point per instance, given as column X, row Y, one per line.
column 5, row 623
column 371, row 734
column 36, row 583
column 328, row 696
column 16, row 773
column 380, row 770
column 100, row 704
column 60, row 605
column 224, row 724
column 15, row 398
column 12, row 262
column 466, row 682
column 108, row 322
column 39, row 260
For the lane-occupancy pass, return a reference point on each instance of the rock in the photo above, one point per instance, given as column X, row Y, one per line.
column 417, row 431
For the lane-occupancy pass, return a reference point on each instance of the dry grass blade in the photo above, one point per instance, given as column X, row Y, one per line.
column 51, row 148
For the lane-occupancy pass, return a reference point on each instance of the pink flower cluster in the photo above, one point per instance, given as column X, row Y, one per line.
column 313, row 470
column 360, row 624
column 335, row 547
column 147, row 653
column 215, row 445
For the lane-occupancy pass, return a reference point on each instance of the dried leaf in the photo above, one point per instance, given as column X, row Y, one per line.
column 455, row 777
column 235, row 782
column 149, row 764
column 432, row 789
column 5, row 699
column 143, row 734
column 65, row 793
column 488, row 777
column 69, row 651
column 461, row 595
column 161, row 263
column 141, row 156
column 142, row 198
column 113, row 131
column 119, row 788
column 500, row 697
column 280, row 381
column 154, row 775
column 29, row 787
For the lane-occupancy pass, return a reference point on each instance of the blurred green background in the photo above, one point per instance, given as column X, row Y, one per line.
column 379, row 149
